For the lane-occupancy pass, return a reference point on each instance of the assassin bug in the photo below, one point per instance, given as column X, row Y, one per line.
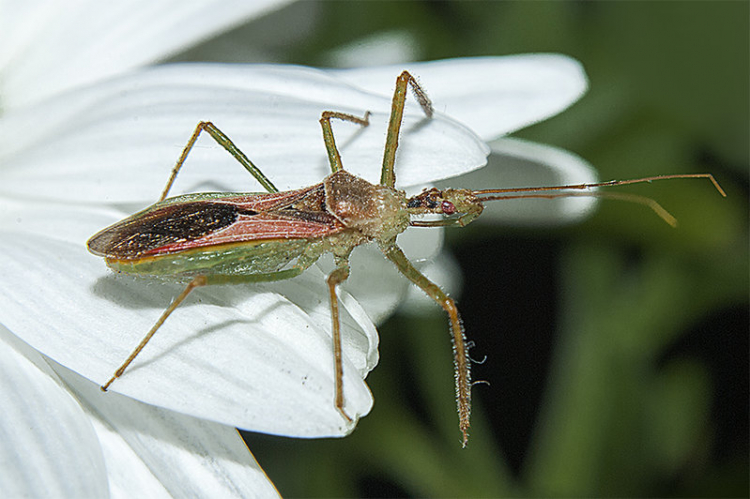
column 232, row 238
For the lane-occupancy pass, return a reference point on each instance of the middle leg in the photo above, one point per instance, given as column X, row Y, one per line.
column 339, row 275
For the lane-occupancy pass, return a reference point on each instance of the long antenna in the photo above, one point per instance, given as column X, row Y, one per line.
column 603, row 184
column 536, row 192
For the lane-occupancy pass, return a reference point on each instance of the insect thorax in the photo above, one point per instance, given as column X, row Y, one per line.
column 377, row 211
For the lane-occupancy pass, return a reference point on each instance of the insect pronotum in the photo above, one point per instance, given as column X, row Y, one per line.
column 221, row 238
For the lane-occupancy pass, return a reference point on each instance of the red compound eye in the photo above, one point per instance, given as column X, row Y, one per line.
column 448, row 208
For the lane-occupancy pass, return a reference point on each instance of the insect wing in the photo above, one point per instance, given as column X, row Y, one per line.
column 202, row 220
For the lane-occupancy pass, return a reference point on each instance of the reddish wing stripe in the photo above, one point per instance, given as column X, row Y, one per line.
column 269, row 202
column 255, row 228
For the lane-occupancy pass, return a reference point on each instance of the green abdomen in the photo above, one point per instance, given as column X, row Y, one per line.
column 247, row 258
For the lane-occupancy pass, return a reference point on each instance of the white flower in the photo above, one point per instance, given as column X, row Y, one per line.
column 77, row 154
column 61, row 436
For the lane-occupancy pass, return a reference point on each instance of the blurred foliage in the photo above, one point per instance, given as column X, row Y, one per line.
column 618, row 348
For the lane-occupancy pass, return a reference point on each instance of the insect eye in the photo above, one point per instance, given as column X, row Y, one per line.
column 448, row 208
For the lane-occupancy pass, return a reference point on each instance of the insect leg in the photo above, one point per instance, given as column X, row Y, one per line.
column 388, row 175
column 334, row 158
column 227, row 144
column 338, row 276
column 461, row 221
column 279, row 275
column 198, row 281
column 460, row 350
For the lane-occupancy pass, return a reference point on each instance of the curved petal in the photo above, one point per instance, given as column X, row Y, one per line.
column 48, row 442
column 152, row 452
column 96, row 444
column 119, row 140
column 49, row 47
column 244, row 356
column 491, row 95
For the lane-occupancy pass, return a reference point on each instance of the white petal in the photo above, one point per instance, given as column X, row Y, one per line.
column 491, row 95
column 519, row 163
column 244, row 356
column 48, row 444
column 50, row 47
column 70, row 223
column 377, row 284
column 153, row 452
column 377, row 49
column 118, row 141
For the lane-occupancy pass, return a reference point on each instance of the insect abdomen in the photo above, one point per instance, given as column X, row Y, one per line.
column 258, row 257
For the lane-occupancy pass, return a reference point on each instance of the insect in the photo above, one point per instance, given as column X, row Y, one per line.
column 223, row 238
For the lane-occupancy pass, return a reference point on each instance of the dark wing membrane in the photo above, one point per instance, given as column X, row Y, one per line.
column 162, row 226
column 186, row 222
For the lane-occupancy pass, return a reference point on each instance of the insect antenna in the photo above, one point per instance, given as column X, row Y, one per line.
column 543, row 192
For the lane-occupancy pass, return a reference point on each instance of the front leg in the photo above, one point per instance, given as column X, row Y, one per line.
column 460, row 350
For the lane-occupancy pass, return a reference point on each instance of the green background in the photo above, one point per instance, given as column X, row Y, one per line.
column 617, row 349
